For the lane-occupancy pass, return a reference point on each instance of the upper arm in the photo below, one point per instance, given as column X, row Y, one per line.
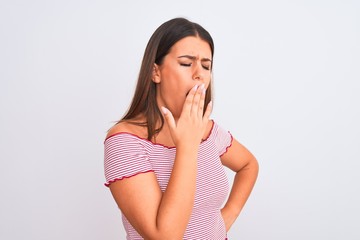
column 237, row 156
column 132, row 180
column 139, row 198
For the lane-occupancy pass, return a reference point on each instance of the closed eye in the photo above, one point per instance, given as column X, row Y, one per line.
column 185, row 65
column 206, row 67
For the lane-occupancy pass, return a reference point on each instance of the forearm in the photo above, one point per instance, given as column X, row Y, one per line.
column 243, row 184
column 178, row 199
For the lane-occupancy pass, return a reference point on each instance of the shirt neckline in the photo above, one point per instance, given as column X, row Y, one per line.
column 159, row 144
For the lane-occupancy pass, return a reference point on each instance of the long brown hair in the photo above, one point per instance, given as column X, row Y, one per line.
column 159, row 45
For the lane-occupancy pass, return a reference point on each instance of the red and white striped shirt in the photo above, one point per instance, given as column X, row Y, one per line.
column 127, row 155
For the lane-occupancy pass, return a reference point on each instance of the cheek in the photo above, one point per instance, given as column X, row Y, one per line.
column 180, row 82
column 174, row 87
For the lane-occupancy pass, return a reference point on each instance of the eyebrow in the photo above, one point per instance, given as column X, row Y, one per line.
column 194, row 58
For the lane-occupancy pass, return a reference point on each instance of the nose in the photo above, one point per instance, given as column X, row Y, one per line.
column 197, row 75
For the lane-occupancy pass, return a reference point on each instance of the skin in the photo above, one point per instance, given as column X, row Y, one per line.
column 182, row 80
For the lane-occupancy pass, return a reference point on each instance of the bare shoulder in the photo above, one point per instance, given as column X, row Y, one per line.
column 118, row 128
column 127, row 127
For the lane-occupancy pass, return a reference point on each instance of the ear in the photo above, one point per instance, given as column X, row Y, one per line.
column 156, row 74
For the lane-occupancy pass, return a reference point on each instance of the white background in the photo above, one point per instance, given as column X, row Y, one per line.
column 287, row 86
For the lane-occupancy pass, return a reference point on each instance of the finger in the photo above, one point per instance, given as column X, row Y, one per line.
column 208, row 111
column 189, row 100
column 196, row 100
column 202, row 102
column 168, row 117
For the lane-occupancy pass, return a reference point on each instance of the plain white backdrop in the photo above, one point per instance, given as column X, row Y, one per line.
column 287, row 85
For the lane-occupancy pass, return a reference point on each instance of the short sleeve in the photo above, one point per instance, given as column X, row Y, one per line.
column 124, row 156
column 223, row 139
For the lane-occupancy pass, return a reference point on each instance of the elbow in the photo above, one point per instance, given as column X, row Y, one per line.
column 254, row 166
column 251, row 165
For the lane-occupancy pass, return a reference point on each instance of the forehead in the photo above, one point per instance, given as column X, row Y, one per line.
column 194, row 46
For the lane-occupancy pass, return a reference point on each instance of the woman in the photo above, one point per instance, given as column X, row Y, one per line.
column 164, row 159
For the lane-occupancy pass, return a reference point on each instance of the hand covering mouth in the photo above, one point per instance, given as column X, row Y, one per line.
column 188, row 92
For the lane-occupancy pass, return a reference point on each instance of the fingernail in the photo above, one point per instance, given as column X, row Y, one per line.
column 164, row 110
column 195, row 87
column 210, row 104
column 202, row 86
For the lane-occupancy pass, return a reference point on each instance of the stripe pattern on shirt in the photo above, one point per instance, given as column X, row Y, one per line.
column 127, row 155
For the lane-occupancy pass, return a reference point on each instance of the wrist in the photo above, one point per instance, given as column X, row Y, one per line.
column 229, row 217
column 187, row 148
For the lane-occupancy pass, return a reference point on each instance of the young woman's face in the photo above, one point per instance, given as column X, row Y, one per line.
column 187, row 64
